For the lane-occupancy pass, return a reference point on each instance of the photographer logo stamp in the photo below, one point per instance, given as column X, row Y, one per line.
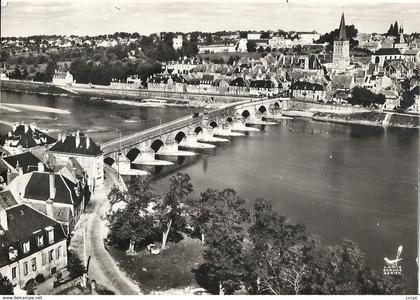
column 392, row 267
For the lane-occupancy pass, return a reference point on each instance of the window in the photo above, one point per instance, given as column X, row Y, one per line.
column 13, row 272
column 57, row 252
column 40, row 241
column 26, row 247
column 50, row 256
column 25, row 268
column 33, row 263
column 44, row 259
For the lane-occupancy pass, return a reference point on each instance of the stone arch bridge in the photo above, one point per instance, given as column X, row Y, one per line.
column 168, row 136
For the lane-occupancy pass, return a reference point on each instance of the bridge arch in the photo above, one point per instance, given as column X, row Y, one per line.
column 180, row 136
column 262, row 109
column 276, row 105
column 133, row 153
column 156, row 145
column 213, row 124
column 245, row 113
column 198, row 129
column 109, row 161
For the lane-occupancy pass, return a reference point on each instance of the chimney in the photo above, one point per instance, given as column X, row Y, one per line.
column 63, row 138
column 41, row 167
column 26, row 127
column 3, row 219
column 49, row 205
column 77, row 139
column 59, row 137
column 9, row 176
column 87, row 142
column 52, row 185
column 9, row 134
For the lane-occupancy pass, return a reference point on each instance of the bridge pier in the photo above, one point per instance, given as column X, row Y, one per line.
column 148, row 158
column 206, row 136
column 172, row 150
column 191, row 142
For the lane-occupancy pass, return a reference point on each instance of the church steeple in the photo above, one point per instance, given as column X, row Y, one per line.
column 342, row 30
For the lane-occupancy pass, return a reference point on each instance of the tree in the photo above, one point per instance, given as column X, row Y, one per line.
column 171, row 207
column 6, row 287
column 134, row 224
column 50, row 69
column 215, row 209
column 351, row 32
column 276, row 261
column 222, row 215
column 265, row 35
column 251, row 46
column 379, row 99
column 365, row 97
column 408, row 95
column 74, row 265
column 341, row 270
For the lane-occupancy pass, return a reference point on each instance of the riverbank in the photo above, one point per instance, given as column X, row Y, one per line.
column 20, row 86
column 371, row 118
column 39, row 88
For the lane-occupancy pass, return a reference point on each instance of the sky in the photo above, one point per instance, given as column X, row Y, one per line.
column 92, row 17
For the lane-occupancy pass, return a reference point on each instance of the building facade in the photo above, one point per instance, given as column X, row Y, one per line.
column 32, row 244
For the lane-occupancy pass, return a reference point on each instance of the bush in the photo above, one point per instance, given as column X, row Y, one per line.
column 30, row 284
column 39, row 278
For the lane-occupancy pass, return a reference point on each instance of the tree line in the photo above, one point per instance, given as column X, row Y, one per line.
column 257, row 251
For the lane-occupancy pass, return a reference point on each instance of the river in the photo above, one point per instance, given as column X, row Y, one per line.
column 354, row 182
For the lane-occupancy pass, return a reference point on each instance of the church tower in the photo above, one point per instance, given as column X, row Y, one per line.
column 341, row 52
column 400, row 41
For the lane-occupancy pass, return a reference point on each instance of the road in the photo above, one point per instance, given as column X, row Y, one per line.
column 102, row 266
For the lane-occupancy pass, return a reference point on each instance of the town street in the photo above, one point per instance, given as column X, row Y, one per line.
column 102, row 267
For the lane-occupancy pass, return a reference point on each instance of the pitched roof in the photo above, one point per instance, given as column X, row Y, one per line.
column 27, row 161
column 261, row 84
column 304, row 85
column 68, row 145
column 341, row 81
column 207, row 79
column 342, row 36
column 387, row 51
column 38, row 188
column 28, row 136
column 26, row 224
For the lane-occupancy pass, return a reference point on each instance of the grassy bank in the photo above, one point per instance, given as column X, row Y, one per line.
column 171, row 269
column 371, row 118
column 31, row 87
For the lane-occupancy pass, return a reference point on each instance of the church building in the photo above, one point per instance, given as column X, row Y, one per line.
column 341, row 52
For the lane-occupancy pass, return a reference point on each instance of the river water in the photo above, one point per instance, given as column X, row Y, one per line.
column 354, row 182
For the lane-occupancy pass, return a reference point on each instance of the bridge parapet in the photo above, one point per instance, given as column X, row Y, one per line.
column 188, row 123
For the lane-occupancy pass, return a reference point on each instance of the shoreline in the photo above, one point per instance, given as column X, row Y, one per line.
column 337, row 117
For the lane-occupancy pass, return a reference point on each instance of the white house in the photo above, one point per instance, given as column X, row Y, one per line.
column 85, row 151
column 177, row 42
column 62, row 78
column 31, row 244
